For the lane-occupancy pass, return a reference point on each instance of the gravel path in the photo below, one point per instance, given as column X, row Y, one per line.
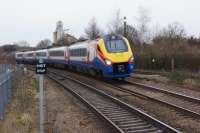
column 67, row 115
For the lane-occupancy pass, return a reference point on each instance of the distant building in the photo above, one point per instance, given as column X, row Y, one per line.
column 60, row 37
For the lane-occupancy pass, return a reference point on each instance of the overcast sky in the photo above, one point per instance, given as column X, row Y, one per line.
column 33, row 20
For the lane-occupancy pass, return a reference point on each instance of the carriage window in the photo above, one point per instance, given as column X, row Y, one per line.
column 116, row 46
column 19, row 55
column 78, row 52
column 41, row 54
column 30, row 55
column 56, row 53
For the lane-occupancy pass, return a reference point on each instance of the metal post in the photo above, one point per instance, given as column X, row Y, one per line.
column 125, row 32
column 41, row 78
column 41, row 103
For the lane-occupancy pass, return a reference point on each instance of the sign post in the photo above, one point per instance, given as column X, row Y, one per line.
column 41, row 69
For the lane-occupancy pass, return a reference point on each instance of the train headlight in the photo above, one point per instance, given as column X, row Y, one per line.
column 108, row 62
column 131, row 60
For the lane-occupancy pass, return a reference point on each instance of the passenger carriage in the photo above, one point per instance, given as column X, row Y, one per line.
column 58, row 56
column 41, row 54
column 19, row 57
column 29, row 57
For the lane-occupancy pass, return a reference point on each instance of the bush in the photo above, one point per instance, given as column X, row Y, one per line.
column 158, row 56
column 177, row 77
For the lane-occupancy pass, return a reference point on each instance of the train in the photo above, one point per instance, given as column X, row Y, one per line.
column 109, row 56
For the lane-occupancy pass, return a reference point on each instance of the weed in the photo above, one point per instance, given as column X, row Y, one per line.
column 177, row 77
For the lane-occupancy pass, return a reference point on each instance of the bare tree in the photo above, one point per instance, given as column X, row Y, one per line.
column 44, row 43
column 116, row 24
column 9, row 47
column 172, row 38
column 131, row 34
column 174, row 31
column 93, row 31
column 23, row 43
column 143, row 20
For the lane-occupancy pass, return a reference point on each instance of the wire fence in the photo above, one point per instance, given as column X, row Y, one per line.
column 6, row 76
column 5, row 67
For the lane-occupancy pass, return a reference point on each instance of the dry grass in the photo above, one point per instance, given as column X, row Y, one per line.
column 22, row 113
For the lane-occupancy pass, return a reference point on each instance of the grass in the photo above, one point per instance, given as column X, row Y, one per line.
column 177, row 77
column 22, row 113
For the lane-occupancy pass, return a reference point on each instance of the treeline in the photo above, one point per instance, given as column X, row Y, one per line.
column 165, row 55
column 168, row 48
column 7, row 51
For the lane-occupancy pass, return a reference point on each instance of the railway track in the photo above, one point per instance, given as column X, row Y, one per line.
column 193, row 88
column 117, row 114
column 183, row 96
column 187, row 104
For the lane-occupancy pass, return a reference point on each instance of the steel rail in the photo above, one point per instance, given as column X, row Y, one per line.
column 158, row 124
column 183, row 96
column 184, row 110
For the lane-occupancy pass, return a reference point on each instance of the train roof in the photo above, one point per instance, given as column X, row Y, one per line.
column 42, row 50
column 19, row 52
column 79, row 45
column 27, row 52
column 58, row 48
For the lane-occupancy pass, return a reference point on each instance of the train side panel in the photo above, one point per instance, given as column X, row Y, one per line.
column 58, row 56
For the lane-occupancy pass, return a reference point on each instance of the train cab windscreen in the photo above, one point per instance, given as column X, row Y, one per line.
column 116, row 45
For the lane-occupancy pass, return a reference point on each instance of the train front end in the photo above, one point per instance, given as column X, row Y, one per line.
column 116, row 57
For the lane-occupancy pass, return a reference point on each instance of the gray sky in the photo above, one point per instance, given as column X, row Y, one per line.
column 33, row 20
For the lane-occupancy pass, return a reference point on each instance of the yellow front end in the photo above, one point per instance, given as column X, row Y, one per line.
column 117, row 57
column 114, row 64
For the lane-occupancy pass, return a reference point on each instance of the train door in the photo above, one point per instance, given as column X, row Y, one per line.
column 92, row 53
column 66, row 55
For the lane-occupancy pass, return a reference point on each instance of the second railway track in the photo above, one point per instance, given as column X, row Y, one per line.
column 183, row 96
column 119, row 115
column 187, row 104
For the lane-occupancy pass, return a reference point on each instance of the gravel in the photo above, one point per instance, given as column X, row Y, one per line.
column 65, row 114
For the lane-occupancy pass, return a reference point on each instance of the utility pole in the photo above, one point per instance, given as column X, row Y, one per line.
column 125, row 32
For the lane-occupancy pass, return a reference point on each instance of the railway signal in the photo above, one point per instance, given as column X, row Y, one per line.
column 125, row 26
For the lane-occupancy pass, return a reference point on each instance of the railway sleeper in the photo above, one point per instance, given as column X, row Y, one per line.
column 146, row 127
column 121, row 115
column 114, row 110
column 145, row 131
column 131, row 120
column 133, row 124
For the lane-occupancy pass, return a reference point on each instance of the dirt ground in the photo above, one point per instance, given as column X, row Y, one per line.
column 65, row 114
